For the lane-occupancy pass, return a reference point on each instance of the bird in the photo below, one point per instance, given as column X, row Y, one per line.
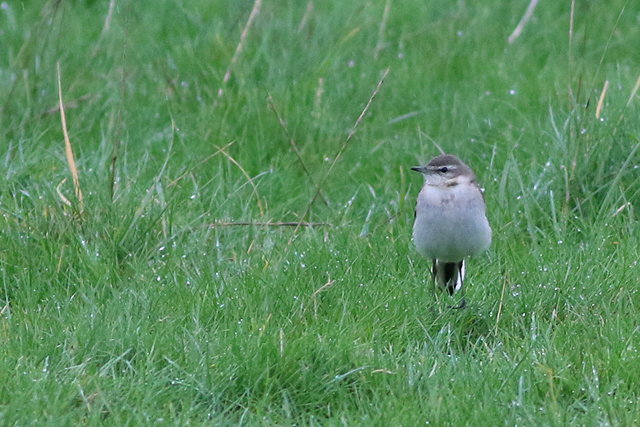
column 450, row 221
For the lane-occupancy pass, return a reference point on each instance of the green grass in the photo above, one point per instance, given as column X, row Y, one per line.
column 138, row 311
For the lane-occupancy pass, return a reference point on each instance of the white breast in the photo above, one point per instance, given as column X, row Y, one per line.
column 451, row 222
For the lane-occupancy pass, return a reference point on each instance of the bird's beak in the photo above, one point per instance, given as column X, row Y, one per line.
column 421, row 169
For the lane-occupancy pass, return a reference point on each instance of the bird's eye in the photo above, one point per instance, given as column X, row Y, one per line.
column 444, row 169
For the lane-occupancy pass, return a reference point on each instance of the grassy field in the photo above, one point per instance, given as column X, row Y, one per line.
column 172, row 290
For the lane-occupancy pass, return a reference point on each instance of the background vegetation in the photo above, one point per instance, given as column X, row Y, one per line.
column 148, row 300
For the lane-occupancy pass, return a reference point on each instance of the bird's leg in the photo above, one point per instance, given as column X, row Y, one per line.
column 463, row 303
column 461, row 271
column 435, row 284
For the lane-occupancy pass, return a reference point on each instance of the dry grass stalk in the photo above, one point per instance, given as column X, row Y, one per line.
column 603, row 94
column 433, row 141
column 220, row 150
column 105, row 29
column 317, row 102
column 68, row 148
column 383, row 25
column 68, row 105
column 62, row 196
column 573, row 11
column 634, row 91
column 305, row 17
column 504, row 285
column 344, row 146
column 249, row 179
column 254, row 13
column 525, row 18
column 314, row 296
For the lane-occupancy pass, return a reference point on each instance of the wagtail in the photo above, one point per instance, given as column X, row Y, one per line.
column 450, row 221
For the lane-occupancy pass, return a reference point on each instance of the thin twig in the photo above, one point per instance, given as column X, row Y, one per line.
column 254, row 13
column 525, row 18
column 293, row 144
column 68, row 148
column 344, row 146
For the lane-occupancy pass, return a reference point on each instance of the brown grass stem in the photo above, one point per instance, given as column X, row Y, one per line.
column 603, row 94
column 106, row 27
column 220, row 150
column 68, row 149
column 523, row 21
column 249, row 179
column 245, row 32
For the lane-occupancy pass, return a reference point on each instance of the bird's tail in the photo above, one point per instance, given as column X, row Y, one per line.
column 448, row 276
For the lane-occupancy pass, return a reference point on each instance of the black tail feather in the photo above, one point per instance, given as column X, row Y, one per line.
column 448, row 275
